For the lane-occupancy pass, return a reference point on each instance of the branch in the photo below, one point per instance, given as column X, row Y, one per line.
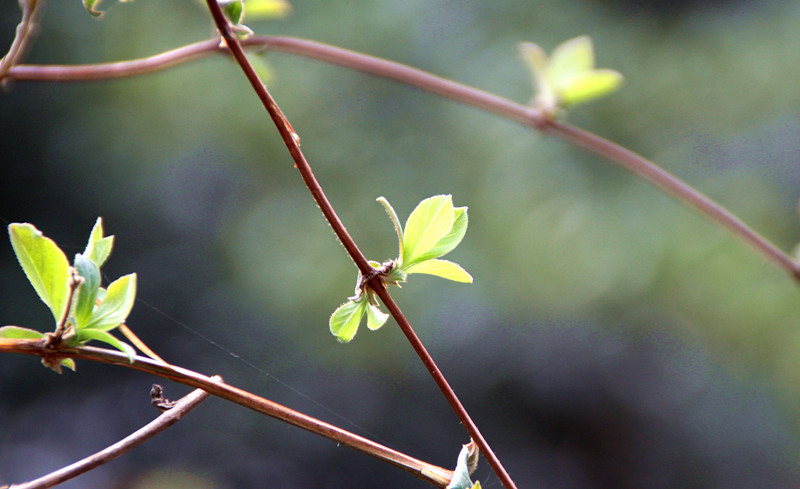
column 161, row 423
column 24, row 35
column 488, row 102
column 292, row 142
column 430, row 473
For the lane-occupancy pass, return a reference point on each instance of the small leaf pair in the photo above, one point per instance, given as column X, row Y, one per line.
column 434, row 228
column 568, row 77
column 83, row 309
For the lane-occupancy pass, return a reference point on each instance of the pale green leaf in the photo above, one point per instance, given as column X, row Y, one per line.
column 85, row 335
column 345, row 320
column 44, row 264
column 451, row 239
column 375, row 317
column 589, row 85
column 570, row 58
column 442, row 268
column 86, row 295
column 461, row 474
column 428, row 223
column 116, row 305
column 98, row 248
column 15, row 332
column 68, row 362
column 267, row 9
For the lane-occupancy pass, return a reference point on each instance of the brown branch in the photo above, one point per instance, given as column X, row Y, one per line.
column 433, row 474
column 292, row 142
column 505, row 108
column 24, row 35
column 161, row 423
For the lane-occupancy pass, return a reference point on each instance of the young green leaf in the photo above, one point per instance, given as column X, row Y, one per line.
column 570, row 59
column 15, row 332
column 267, row 9
column 451, row 239
column 44, row 264
column 233, row 10
column 116, row 305
column 86, row 295
column 428, row 223
column 441, row 268
column 375, row 317
column 85, row 335
column 588, row 86
column 345, row 319
column 98, row 248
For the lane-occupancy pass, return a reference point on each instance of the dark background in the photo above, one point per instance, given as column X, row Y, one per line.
column 612, row 338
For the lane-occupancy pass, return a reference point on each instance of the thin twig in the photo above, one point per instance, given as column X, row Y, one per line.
column 433, row 474
column 503, row 107
column 161, row 423
column 24, row 34
column 292, row 142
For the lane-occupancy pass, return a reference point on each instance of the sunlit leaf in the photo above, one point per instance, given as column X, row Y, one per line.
column 375, row 317
column 98, row 248
column 68, row 362
column 15, row 332
column 86, row 295
column 85, row 335
column 345, row 320
column 451, row 239
column 590, row 85
column 442, row 268
column 267, row 9
column 116, row 305
column 44, row 264
column 571, row 58
column 428, row 223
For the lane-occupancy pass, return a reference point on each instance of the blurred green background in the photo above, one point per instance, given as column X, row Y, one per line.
column 612, row 338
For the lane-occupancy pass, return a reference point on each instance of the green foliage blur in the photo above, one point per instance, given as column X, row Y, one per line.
column 188, row 172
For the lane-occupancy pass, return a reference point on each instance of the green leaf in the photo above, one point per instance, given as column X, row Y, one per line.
column 90, row 6
column 428, row 223
column 346, row 318
column 85, row 335
column 86, row 295
column 68, row 362
column 44, row 264
column 98, row 248
column 590, row 85
column 267, row 9
column 569, row 59
column 451, row 239
column 537, row 62
column 442, row 268
column 116, row 305
column 16, row 332
column 375, row 317
column 233, row 10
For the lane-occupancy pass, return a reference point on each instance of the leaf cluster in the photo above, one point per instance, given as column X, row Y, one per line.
column 82, row 309
column 568, row 76
column 433, row 229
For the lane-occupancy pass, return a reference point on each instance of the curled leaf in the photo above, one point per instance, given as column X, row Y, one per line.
column 441, row 268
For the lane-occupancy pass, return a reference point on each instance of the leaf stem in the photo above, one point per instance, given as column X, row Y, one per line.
column 161, row 423
column 292, row 143
column 431, row 473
